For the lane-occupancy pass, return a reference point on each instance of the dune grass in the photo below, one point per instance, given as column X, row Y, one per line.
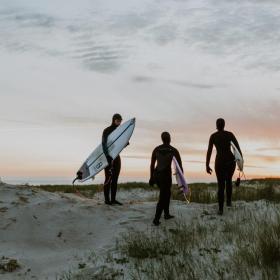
column 243, row 245
column 251, row 190
column 90, row 190
column 246, row 246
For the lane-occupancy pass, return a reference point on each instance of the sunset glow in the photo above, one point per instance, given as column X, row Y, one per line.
column 174, row 65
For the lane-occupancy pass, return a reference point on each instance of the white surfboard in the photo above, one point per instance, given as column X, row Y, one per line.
column 116, row 142
column 180, row 178
column 238, row 157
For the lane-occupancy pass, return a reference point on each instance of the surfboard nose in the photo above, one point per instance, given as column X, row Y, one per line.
column 133, row 120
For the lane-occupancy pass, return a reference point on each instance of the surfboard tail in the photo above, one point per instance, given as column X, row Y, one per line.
column 181, row 181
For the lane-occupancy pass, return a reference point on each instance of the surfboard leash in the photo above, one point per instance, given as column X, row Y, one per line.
column 181, row 189
column 75, row 181
column 79, row 177
column 240, row 176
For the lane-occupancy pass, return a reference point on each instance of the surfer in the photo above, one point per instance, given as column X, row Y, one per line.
column 224, row 163
column 112, row 171
column 162, row 175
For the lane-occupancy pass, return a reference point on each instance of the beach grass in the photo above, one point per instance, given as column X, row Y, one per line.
column 250, row 190
column 247, row 246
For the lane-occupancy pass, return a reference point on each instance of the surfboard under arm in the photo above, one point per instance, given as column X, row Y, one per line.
column 97, row 160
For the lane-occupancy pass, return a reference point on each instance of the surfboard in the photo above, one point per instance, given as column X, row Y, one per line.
column 116, row 142
column 180, row 178
column 238, row 157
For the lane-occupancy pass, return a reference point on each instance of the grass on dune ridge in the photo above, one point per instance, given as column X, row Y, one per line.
column 250, row 190
column 244, row 246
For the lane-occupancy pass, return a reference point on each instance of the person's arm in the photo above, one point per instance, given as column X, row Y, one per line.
column 235, row 142
column 152, row 168
column 179, row 160
column 104, row 146
column 208, row 156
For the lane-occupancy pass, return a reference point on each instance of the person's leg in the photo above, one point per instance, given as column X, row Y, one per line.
column 167, row 196
column 107, row 185
column 115, row 177
column 229, row 174
column 160, row 204
column 220, row 173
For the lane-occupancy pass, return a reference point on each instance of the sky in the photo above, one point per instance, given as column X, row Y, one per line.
column 176, row 65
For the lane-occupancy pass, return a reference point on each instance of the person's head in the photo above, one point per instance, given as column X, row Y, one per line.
column 117, row 119
column 220, row 123
column 166, row 138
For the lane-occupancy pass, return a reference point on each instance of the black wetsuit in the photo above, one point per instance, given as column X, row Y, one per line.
column 224, row 163
column 112, row 171
column 162, row 175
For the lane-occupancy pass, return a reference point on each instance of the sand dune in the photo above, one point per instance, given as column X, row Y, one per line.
column 52, row 233
column 48, row 233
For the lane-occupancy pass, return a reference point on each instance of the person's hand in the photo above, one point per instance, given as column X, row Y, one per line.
column 209, row 170
column 151, row 182
column 110, row 160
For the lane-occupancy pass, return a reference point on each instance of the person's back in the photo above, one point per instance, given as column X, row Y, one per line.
column 164, row 155
column 222, row 141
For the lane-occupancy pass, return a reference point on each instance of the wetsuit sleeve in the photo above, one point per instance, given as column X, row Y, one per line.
column 235, row 142
column 153, row 163
column 178, row 158
column 104, row 142
column 209, row 151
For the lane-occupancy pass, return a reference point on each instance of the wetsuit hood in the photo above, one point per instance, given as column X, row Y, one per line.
column 220, row 124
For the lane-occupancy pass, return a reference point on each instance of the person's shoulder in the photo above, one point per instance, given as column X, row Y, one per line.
column 174, row 149
column 162, row 148
column 214, row 134
column 229, row 133
column 106, row 129
column 155, row 149
column 158, row 147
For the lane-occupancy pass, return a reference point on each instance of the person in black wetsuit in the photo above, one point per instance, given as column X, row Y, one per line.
column 224, row 163
column 162, row 175
column 112, row 171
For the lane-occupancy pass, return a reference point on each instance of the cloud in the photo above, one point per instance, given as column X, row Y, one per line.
column 23, row 18
column 270, row 149
column 102, row 58
column 33, row 20
column 244, row 32
column 265, row 158
column 143, row 79
column 187, row 84
column 22, row 30
column 164, row 33
column 193, row 85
